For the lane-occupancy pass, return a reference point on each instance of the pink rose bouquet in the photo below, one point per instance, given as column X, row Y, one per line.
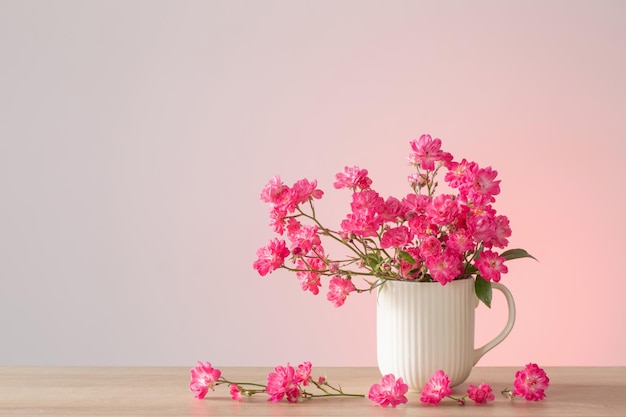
column 422, row 236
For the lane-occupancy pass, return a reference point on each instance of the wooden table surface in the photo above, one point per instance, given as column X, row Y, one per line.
column 144, row 391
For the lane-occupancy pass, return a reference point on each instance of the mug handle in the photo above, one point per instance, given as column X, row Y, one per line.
column 478, row 353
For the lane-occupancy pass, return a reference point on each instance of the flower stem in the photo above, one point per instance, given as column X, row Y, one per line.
column 309, row 395
column 322, row 387
column 508, row 393
column 223, row 380
column 459, row 400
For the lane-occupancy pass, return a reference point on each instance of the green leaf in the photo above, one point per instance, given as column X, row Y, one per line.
column 470, row 269
column 373, row 261
column 516, row 254
column 483, row 290
column 412, row 272
column 406, row 257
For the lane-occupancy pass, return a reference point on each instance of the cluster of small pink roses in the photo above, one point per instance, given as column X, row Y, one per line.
column 530, row 383
column 287, row 382
column 423, row 236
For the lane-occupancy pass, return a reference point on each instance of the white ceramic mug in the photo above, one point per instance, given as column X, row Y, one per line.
column 423, row 327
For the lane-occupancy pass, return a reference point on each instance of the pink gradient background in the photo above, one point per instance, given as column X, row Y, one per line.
column 135, row 138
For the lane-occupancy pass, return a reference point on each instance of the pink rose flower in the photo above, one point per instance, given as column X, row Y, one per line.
column 271, row 257
column 367, row 201
column 284, row 200
column 480, row 394
column 277, row 220
column 461, row 174
column 445, row 267
column 415, row 204
column 430, row 247
column 426, row 152
column 389, row 392
column 436, row 389
column 283, row 383
column 235, row 394
column 303, row 373
column 203, row 377
column 490, row 265
column 394, row 210
column 501, row 232
column 274, row 190
column 482, row 226
column 422, row 227
column 303, row 237
column 304, row 190
column 396, row 237
column 460, row 241
column 443, row 209
column 338, row 290
column 366, row 217
column 308, row 277
column 485, row 184
column 531, row 382
column 352, row 178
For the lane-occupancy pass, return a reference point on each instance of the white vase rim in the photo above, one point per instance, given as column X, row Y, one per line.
column 411, row 281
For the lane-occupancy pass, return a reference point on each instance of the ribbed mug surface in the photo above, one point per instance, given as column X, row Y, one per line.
column 424, row 327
